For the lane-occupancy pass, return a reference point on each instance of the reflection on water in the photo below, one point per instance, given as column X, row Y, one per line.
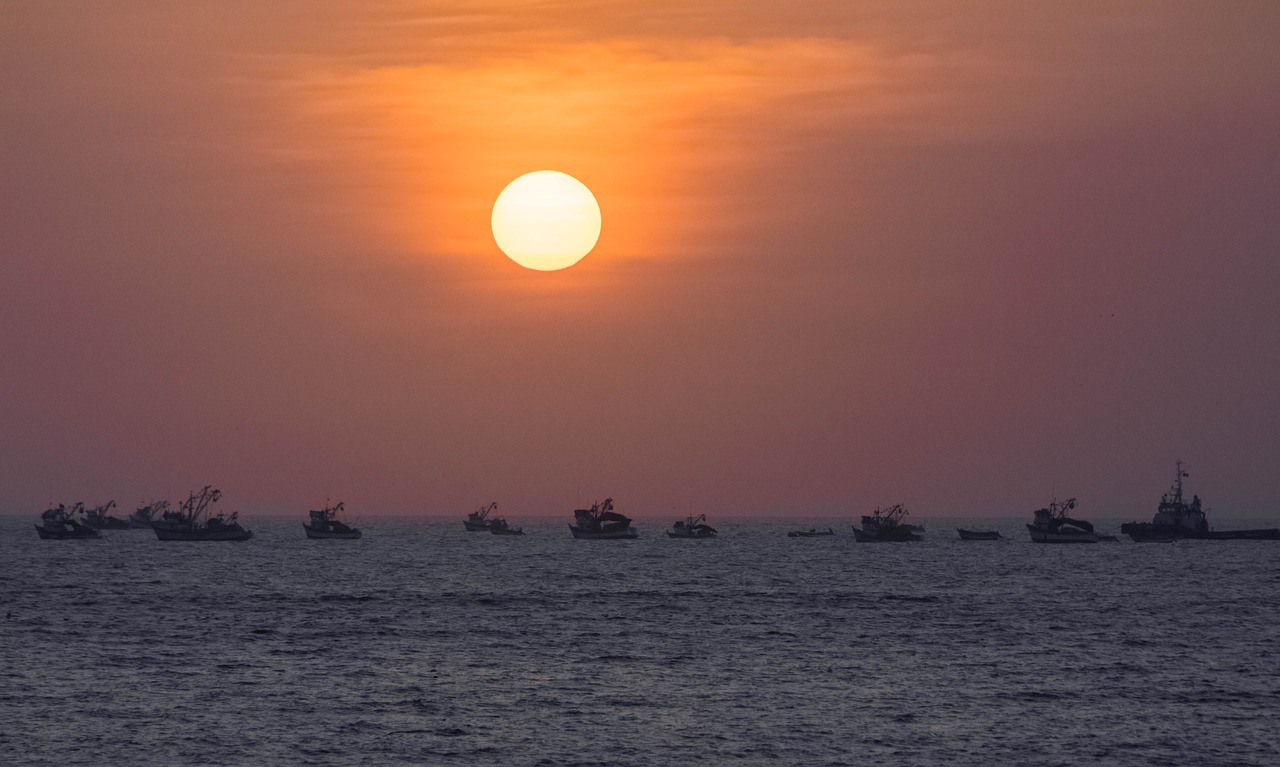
column 424, row 644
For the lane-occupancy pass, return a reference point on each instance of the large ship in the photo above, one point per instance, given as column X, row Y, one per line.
column 194, row 522
column 1176, row 519
column 324, row 524
column 478, row 520
column 601, row 522
column 1052, row 525
column 886, row 525
column 56, row 523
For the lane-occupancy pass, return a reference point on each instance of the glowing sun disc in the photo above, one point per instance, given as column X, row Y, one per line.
column 546, row 220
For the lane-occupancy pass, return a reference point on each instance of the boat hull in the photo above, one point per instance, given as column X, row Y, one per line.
column 1040, row 535
column 1268, row 534
column 233, row 533
column 604, row 535
column 62, row 534
column 896, row 535
column 1146, row 532
column 347, row 535
column 475, row 527
column 978, row 535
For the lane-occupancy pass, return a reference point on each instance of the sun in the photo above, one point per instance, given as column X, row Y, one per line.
column 546, row 220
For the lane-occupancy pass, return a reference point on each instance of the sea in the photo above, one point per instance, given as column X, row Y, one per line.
column 424, row 644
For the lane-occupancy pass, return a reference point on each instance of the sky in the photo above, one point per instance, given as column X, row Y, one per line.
column 964, row 256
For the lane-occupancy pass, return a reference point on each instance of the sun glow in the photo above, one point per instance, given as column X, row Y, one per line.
column 546, row 220
column 657, row 124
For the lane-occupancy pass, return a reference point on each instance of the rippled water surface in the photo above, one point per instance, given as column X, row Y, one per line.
column 425, row 644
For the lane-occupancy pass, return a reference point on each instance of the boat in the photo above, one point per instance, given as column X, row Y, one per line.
column 324, row 524
column 810, row 533
column 57, row 523
column 872, row 521
column 193, row 521
column 477, row 521
column 1052, row 525
column 144, row 515
column 1176, row 519
column 978, row 535
column 499, row 526
column 886, row 525
column 99, row 519
column 601, row 522
column 692, row 527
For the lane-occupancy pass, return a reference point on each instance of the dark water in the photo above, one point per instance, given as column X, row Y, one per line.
column 424, row 644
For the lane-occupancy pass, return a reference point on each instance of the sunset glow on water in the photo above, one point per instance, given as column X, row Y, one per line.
column 816, row 259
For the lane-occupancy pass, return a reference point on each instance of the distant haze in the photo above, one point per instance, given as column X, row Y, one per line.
column 964, row 256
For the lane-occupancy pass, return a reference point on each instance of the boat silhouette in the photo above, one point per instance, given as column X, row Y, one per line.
column 601, row 522
column 1052, row 525
column 1175, row 519
column 887, row 525
column 477, row 521
column 324, row 523
column 194, row 522
column 57, row 523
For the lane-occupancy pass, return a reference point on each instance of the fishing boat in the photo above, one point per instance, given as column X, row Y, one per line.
column 57, row 523
column 143, row 516
column 871, row 521
column 1052, row 525
column 478, row 521
column 810, row 533
column 978, row 535
column 1176, row 519
column 601, row 522
column 99, row 519
column 324, row 524
column 499, row 526
column 886, row 525
column 194, row 522
column 692, row 527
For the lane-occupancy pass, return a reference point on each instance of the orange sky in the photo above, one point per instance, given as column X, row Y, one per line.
column 962, row 256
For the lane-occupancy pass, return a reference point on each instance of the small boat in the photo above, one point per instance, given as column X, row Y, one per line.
column 978, row 535
column 810, row 533
column 601, row 522
column 1052, row 525
column 324, row 524
column 477, row 521
column 193, row 522
column 99, row 519
column 144, row 515
column 887, row 525
column 692, row 527
column 1175, row 520
column 56, row 523
column 499, row 526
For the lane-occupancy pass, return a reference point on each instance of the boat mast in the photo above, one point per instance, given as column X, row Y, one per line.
column 1177, row 483
column 196, row 508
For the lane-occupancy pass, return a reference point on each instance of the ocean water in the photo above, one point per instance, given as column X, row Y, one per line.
column 422, row 644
